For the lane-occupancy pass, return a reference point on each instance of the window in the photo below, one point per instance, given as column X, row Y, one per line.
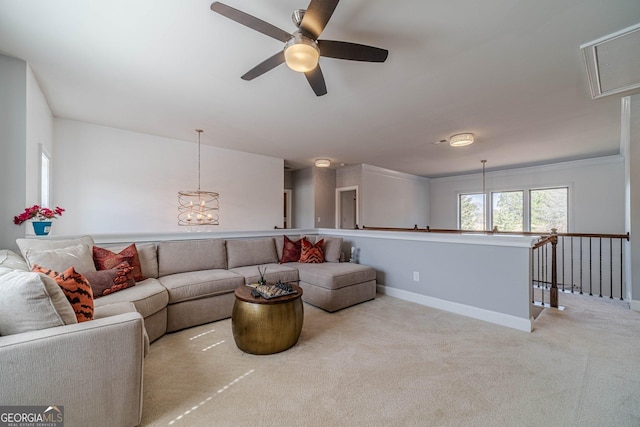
column 549, row 209
column 45, row 178
column 471, row 208
column 507, row 210
column 541, row 210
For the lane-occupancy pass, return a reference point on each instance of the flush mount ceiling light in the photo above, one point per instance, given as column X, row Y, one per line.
column 301, row 53
column 198, row 207
column 461, row 139
column 323, row 163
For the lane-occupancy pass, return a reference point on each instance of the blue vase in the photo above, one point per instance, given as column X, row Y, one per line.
column 41, row 228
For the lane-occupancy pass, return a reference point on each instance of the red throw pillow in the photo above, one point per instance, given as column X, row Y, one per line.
column 105, row 282
column 75, row 287
column 291, row 250
column 312, row 253
column 104, row 259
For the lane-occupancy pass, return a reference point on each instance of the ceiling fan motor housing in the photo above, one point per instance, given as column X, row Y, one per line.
column 301, row 53
column 297, row 16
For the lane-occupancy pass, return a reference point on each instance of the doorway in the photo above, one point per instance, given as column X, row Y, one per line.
column 287, row 222
column 347, row 212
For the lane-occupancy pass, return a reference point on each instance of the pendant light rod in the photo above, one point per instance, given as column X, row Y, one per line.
column 199, row 133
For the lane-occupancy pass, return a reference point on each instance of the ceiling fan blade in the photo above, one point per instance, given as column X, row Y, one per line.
column 250, row 21
column 351, row 51
column 316, row 80
column 317, row 15
column 266, row 65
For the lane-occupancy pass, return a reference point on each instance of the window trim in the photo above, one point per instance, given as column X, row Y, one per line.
column 44, row 154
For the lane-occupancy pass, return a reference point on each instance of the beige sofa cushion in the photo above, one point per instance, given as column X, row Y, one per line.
column 335, row 275
column 274, row 272
column 149, row 297
column 31, row 301
column 191, row 255
column 52, row 243
column 251, row 252
column 10, row 259
column 200, row 284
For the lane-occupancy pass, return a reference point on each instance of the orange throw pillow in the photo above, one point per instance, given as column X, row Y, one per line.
column 312, row 253
column 75, row 287
column 104, row 259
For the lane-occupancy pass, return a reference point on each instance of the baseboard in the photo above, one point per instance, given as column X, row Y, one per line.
column 501, row 319
column 634, row 305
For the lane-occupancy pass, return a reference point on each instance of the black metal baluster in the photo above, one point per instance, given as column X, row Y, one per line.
column 621, row 245
column 544, row 266
column 600, row 268
column 572, row 261
column 562, row 239
column 590, row 265
column 533, row 297
column 611, row 268
column 581, row 268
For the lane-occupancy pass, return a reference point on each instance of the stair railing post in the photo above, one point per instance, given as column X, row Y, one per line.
column 553, row 292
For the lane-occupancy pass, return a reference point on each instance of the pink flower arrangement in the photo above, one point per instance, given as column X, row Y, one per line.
column 37, row 212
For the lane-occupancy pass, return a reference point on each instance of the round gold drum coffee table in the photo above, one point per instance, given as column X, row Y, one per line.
column 266, row 326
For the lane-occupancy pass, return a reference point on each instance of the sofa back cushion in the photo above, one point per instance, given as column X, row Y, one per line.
column 10, row 259
column 279, row 240
column 31, row 301
column 181, row 256
column 147, row 254
column 332, row 247
column 251, row 252
column 59, row 254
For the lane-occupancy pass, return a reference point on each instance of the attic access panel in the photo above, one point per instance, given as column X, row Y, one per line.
column 613, row 62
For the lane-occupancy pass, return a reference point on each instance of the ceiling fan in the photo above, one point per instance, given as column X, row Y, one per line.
column 302, row 48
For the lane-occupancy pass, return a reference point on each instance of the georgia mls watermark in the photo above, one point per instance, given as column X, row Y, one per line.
column 32, row 416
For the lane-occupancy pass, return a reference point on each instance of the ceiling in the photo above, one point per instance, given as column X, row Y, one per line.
column 509, row 71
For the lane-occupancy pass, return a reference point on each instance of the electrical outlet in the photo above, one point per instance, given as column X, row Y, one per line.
column 318, row 219
column 416, row 276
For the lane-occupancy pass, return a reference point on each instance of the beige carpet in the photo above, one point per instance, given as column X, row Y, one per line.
column 390, row 362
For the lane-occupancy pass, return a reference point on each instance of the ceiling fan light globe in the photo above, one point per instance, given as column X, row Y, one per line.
column 301, row 54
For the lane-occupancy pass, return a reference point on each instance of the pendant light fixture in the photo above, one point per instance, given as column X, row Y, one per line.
column 198, row 207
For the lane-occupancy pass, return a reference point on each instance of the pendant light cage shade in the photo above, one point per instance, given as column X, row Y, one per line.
column 198, row 208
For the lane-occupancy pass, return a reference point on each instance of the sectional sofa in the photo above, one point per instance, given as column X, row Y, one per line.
column 188, row 282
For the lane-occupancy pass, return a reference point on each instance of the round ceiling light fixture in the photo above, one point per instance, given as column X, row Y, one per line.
column 323, row 163
column 301, row 53
column 461, row 139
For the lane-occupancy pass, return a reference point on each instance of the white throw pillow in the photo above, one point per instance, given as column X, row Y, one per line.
column 51, row 243
column 79, row 257
column 10, row 259
column 30, row 302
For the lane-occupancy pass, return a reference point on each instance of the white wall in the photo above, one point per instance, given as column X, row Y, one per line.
column 39, row 133
column 631, row 131
column 393, row 199
column 13, row 125
column 116, row 181
column 325, row 197
column 596, row 192
column 303, row 195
